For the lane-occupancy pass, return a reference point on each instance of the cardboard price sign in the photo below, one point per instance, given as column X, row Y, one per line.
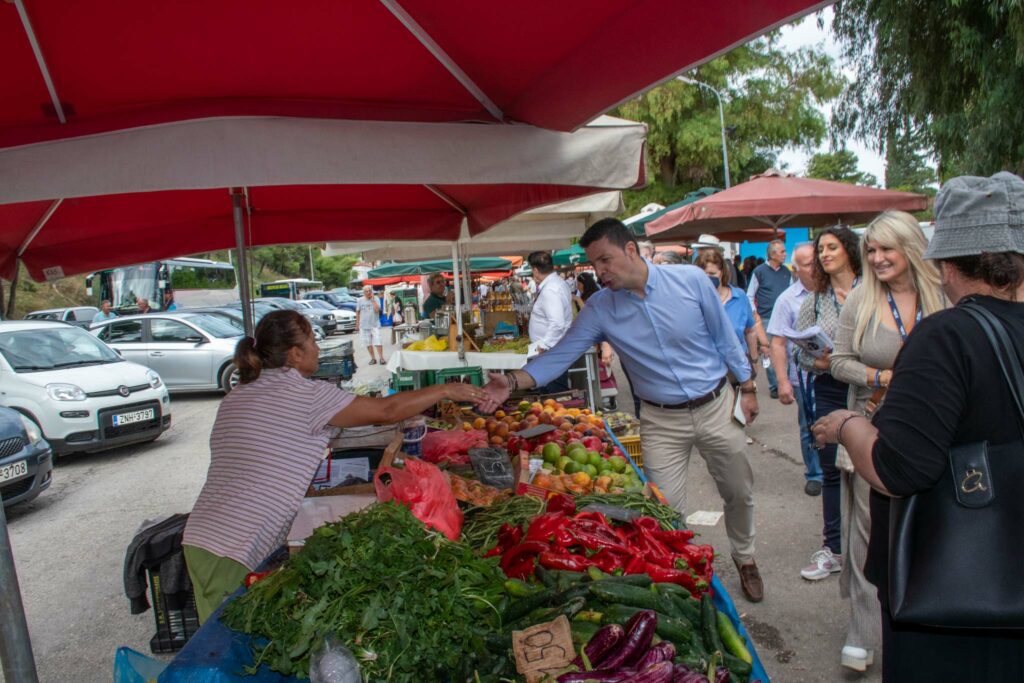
column 543, row 650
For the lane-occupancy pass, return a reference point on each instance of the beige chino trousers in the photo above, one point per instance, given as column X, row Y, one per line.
column 669, row 436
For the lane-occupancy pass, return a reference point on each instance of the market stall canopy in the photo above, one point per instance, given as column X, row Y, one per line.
column 78, row 205
column 545, row 228
column 639, row 222
column 76, row 68
column 569, row 257
column 775, row 200
column 438, row 266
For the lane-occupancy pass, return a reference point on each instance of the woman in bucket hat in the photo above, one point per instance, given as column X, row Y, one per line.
column 947, row 390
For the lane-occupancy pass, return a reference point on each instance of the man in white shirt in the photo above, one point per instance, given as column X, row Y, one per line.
column 551, row 315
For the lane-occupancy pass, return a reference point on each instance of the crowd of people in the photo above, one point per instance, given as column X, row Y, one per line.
column 891, row 306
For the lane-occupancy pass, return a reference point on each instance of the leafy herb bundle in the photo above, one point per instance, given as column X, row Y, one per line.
column 410, row 604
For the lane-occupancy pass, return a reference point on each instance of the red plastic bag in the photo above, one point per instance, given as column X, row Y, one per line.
column 451, row 446
column 424, row 489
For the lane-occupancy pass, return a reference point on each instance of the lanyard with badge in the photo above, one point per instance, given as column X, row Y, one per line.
column 896, row 316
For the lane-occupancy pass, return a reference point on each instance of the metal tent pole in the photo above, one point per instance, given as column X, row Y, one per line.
column 458, row 302
column 15, row 644
column 237, row 197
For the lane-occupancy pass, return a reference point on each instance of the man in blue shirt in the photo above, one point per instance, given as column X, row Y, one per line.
column 105, row 313
column 674, row 339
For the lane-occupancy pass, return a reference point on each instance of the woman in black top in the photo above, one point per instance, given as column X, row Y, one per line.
column 947, row 389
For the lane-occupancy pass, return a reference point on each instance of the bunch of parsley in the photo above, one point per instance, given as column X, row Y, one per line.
column 411, row 605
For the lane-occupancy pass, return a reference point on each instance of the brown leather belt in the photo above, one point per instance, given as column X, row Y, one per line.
column 695, row 403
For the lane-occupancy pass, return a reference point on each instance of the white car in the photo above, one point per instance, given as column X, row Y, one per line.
column 81, row 393
column 345, row 318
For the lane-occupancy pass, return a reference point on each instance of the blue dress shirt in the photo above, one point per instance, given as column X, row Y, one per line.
column 676, row 342
column 741, row 315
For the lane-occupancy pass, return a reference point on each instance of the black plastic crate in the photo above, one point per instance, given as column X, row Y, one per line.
column 173, row 626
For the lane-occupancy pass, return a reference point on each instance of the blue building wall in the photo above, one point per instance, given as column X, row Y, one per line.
column 794, row 238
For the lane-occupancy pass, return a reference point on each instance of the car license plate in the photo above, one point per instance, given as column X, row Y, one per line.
column 133, row 417
column 13, row 471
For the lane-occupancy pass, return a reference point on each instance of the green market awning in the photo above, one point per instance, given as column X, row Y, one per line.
column 638, row 226
column 480, row 263
column 569, row 257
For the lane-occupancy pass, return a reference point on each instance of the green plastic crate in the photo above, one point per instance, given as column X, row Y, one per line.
column 410, row 380
column 470, row 375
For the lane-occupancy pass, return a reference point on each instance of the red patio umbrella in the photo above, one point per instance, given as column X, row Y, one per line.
column 776, row 199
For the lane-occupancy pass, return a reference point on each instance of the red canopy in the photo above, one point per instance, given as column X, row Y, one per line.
column 117, row 64
column 779, row 200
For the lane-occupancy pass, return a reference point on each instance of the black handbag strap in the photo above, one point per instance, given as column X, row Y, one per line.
column 1004, row 350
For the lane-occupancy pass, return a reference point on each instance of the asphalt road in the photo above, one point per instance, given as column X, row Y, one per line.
column 69, row 546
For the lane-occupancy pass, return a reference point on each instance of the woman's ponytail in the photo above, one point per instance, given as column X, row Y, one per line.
column 277, row 332
column 247, row 360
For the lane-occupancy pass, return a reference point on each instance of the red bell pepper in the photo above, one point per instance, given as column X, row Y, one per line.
column 594, row 541
column 562, row 503
column 516, row 555
column 542, row 528
column 608, row 561
column 676, row 539
column 593, row 515
column 649, row 523
column 680, row 577
column 569, row 563
column 522, row 569
column 635, row 565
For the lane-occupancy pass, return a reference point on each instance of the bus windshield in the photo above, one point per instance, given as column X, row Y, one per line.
column 167, row 285
column 126, row 285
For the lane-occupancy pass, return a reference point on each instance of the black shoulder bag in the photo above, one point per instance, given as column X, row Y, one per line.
column 954, row 550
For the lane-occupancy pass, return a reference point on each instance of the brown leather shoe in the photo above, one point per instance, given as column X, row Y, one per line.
column 750, row 581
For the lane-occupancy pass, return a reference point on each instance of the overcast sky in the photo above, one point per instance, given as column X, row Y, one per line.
column 807, row 33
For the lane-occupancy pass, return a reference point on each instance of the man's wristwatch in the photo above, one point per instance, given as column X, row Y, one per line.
column 748, row 388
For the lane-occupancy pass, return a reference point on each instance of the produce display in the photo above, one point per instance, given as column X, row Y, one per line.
column 596, row 548
column 506, row 345
column 431, row 343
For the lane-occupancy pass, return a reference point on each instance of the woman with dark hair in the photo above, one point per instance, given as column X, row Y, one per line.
column 587, row 286
column 836, row 272
column 269, row 437
column 949, row 394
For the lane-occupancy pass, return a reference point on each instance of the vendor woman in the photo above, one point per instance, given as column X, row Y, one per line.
column 270, row 435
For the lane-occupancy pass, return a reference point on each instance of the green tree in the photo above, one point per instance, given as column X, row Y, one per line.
column 953, row 70
column 771, row 99
column 840, row 166
column 905, row 165
column 334, row 271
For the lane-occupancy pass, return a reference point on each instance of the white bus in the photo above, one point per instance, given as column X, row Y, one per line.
column 190, row 281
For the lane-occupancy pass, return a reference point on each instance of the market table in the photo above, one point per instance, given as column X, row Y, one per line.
column 442, row 360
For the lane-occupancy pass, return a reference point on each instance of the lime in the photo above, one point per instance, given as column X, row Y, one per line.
column 580, row 456
column 589, row 469
column 552, row 452
column 618, row 463
column 573, row 447
column 562, row 463
column 572, row 467
column 594, row 458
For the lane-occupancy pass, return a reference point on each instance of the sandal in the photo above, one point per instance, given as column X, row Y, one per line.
column 372, row 362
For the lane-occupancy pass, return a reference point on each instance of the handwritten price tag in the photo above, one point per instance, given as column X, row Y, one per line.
column 543, row 649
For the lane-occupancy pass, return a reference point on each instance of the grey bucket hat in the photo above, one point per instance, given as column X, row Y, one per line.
column 975, row 215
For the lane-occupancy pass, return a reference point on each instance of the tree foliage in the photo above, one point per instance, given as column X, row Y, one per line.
column 905, row 166
column 293, row 261
column 771, row 100
column 840, row 166
column 950, row 72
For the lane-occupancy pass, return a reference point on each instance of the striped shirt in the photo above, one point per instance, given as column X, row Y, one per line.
column 267, row 442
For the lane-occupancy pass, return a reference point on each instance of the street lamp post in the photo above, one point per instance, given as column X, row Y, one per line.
column 721, row 120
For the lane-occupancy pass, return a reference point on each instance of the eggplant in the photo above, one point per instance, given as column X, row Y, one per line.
column 595, row 676
column 657, row 673
column 684, row 674
column 721, row 675
column 639, row 632
column 603, row 642
column 662, row 652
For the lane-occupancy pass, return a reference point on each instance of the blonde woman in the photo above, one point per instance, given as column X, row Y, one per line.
column 898, row 289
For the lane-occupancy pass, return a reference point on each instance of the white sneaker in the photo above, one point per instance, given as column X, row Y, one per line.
column 857, row 658
column 823, row 564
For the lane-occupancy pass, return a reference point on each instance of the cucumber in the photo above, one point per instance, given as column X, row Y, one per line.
column 672, row 589
column 565, row 580
column 578, row 591
column 675, row 630
column 737, row 666
column 520, row 608
column 521, row 589
column 731, row 639
column 546, row 577
column 688, row 607
column 709, row 625
column 641, row 580
column 634, row 596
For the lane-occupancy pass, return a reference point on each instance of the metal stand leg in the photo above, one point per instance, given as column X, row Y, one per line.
column 15, row 644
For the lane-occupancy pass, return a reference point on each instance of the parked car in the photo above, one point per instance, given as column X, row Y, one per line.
column 322, row 319
column 261, row 309
column 78, row 391
column 26, row 460
column 345, row 318
column 335, row 299
column 78, row 315
column 191, row 351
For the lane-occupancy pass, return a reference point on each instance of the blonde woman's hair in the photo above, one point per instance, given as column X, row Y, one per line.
column 901, row 231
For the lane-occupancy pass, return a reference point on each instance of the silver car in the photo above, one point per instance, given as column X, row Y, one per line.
column 345, row 319
column 78, row 315
column 190, row 351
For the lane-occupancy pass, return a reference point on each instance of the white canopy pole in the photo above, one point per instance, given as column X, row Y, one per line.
column 237, row 196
